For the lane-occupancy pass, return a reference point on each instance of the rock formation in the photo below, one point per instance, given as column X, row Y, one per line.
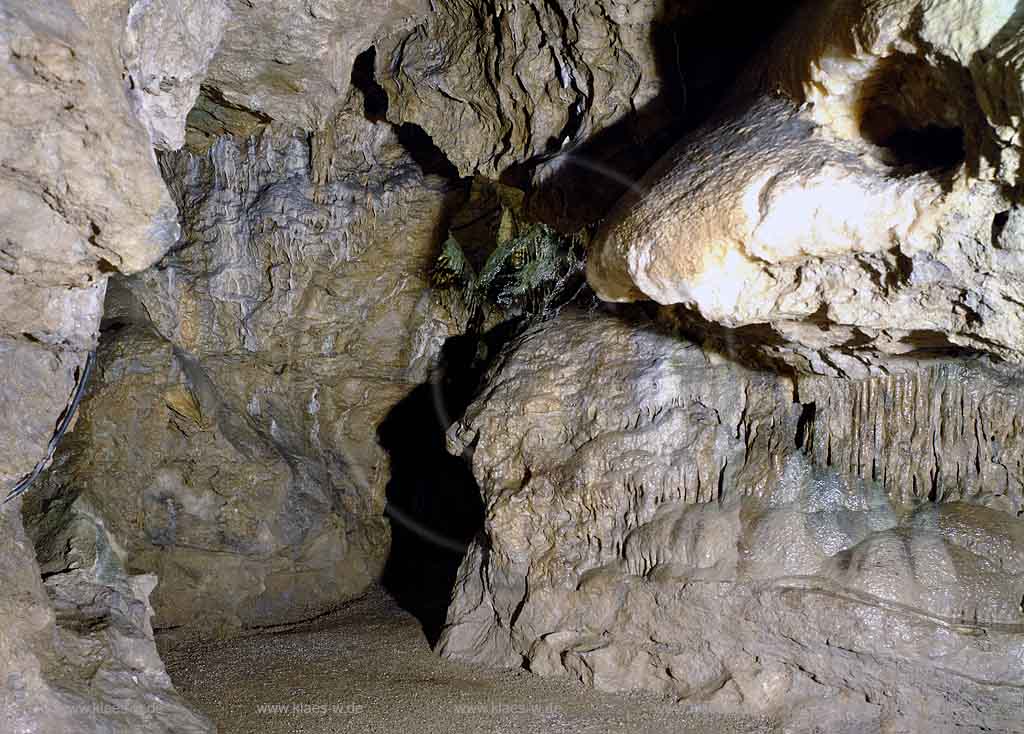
column 230, row 435
column 84, row 198
column 791, row 485
column 77, row 652
column 854, row 202
column 89, row 88
column 659, row 521
column 511, row 82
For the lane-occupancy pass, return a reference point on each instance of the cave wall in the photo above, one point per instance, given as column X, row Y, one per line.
column 239, row 206
column 853, row 206
column 230, row 433
column 90, row 89
column 659, row 519
column 85, row 196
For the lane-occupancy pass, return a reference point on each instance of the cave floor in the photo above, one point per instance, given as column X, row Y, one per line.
column 368, row 668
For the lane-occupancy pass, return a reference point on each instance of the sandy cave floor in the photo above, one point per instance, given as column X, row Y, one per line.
column 368, row 668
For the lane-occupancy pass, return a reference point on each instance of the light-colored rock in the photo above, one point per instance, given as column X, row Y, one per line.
column 82, row 191
column 291, row 62
column 853, row 203
column 82, row 197
column 167, row 47
column 230, row 437
column 91, row 665
column 659, row 520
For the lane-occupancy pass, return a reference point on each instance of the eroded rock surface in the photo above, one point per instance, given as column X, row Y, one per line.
column 168, row 46
column 495, row 85
column 82, row 192
column 230, row 437
column 660, row 520
column 77, row 653
column 83, row 197
column 859, row 207
column 292, row 62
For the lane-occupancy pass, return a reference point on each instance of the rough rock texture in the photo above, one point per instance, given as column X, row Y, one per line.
column 230, row 437
column 953, row 431
column 859, row 206
column 658, row 519
column 167, row 48
column 77, row 652
column 496, row 84
column 557, row 97
column 291, row 62
column 81, row 188
column 82, row 197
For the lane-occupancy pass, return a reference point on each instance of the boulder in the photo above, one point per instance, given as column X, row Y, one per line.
column 77, row 652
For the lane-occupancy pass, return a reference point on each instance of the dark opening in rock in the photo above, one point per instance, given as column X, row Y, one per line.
column 999, row 222
column 433, row 501
column 375, row 99
column 431, row 160
column 905, row 111
column 805, row 422
column 931, row 147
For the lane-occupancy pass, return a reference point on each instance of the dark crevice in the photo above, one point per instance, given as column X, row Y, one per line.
column 105, row 266
column 902, row 273
column 433, row 502
column 805, row 423
column 216, row 97
column 999, row 222
column 900, row 113
column 431, row 159
column 928, row 148
column 416, row 141
column 375, row 99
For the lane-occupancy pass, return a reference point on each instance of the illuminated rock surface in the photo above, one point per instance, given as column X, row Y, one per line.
column 230, row 434
column 855, row 199
column 656, row 522
column 788, row 487
column 77, row 651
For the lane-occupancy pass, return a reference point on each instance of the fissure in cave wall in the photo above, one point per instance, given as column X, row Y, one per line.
column 798, row 479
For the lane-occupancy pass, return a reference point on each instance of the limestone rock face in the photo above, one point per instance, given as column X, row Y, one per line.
column 660, row 520
column 497, row 84
column 855, row 201
column 81, row 188
column 82, row 197
column 230, row 437
column 168, row 46
column 77, row 653
column 291, row 62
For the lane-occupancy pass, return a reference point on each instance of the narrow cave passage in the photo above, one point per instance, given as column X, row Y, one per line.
column 434, row 504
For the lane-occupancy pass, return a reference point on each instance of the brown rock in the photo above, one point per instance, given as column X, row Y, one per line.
column 230, row 437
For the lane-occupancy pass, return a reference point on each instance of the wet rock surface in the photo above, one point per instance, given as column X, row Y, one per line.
column 654, row 523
